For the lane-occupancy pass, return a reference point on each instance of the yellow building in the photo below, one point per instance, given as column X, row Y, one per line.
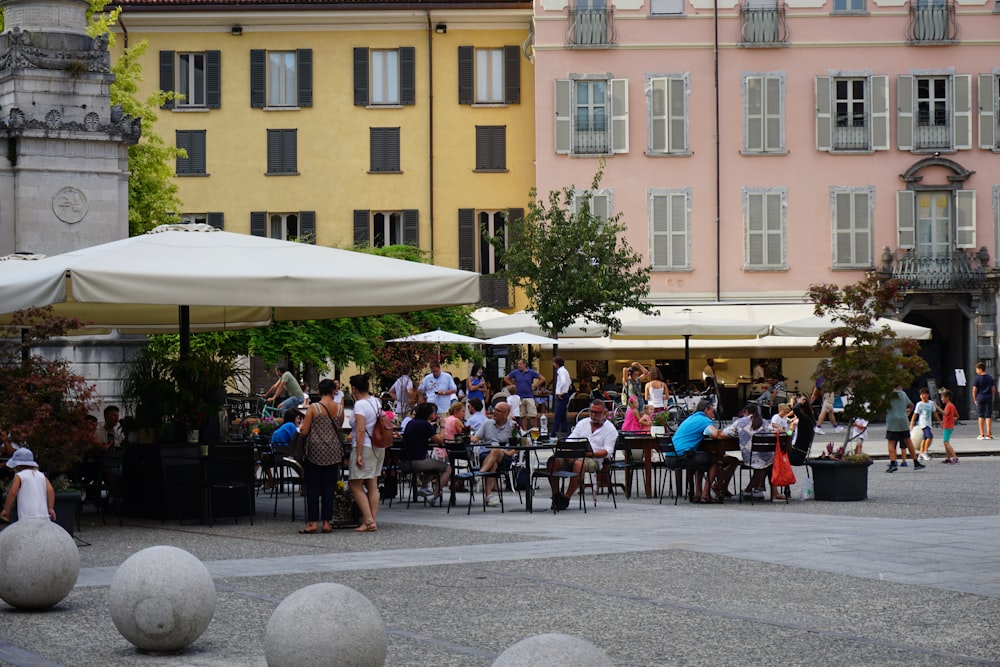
column 348, row 123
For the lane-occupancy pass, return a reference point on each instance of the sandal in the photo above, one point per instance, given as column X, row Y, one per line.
column 327, row 528
column 308, row 531
column 369, row 527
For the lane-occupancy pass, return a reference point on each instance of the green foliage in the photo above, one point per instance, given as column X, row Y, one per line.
column 864, row 360
column 152, row 192
column 44, row 404
column 573, row 265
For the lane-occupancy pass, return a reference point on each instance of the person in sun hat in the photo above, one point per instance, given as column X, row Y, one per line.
column 34, row 494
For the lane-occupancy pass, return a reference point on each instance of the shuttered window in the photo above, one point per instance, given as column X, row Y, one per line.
column 195, row 77
column 670, row 230
column 282, row 152
column 192, row 141
column 384, row 77
column 666, row 7
column 280, row 78
column 599, row 201
column 491, row 148
column 934, row 112
column 377, row 229
column 668, row 115
column 764, row 213
column 852, row 227
column 763, row 114
column 489, row 75
column 384, row 142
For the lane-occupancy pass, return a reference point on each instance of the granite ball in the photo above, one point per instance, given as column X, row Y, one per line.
column 325, row 624
column 39, row 564
column 162, row 599
column 553, row 650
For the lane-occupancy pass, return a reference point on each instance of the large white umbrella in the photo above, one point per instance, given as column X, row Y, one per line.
column 815, row 326
column 438, row 336
column 521, row 338
column 221, row 279
column 524, row 321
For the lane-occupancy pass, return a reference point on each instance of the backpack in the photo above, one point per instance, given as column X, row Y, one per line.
column 381, row 433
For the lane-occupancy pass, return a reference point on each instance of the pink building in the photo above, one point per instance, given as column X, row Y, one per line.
column 837, row 137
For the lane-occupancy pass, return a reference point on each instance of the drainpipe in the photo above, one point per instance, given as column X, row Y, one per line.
column 430, row 127
column 718, row 164
column 124, row 31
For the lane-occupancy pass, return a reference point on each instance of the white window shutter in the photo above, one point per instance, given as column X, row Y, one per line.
column 564, row 116
column 619, row 115
column 679, row 231
column 659, row 103
column 965, row 219
column 659, row 207
column 773, row 126
column 753, row 114
column 905, row 219
column 987, row 112
column 677, row 114
column 879, row 86
column 963, row 111
column 666, row 7
column 904, row 112
column 600, row 206
column 824, row 120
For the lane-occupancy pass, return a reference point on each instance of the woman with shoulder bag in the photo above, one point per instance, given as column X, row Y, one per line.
column 366, row 461
column 324, row 454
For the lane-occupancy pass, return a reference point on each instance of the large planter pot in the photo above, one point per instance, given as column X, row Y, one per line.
column 839, row 480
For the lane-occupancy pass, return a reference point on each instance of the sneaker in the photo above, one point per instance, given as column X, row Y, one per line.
column 758, row 493
column 982, row 437
column 493, row 501
column 989, row 437
column 917, row 465
column 838, row 429
column 904, row 464
column 892, row 467
column 817, row 429
column 946, row 461
column 425, row 492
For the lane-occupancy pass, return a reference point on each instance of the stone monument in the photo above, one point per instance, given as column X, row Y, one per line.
column 64, row 158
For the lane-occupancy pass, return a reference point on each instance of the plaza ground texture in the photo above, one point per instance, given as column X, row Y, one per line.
column 910, row 576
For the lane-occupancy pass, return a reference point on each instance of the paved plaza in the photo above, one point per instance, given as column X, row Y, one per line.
column 909, row 577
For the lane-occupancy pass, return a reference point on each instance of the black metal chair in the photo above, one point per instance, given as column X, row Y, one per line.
column 293, row 477
column 762, row 443
column 570, row 450
column 231, row 472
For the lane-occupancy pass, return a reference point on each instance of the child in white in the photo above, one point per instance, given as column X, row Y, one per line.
column 780, row 423
column 35, row 496
column 923, row 415
column 858, row 430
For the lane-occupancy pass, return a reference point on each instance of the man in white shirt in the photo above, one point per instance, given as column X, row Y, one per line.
column 560, row 424
column 602, row 436
column 438, row 388
column 402, row 390
column 110, row 434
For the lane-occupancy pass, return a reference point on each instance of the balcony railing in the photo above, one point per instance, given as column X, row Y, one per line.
column 762, row 26
column 850, row 138
column 959, row 270
column 495, row 292
column 590, row 28
column 932, row 22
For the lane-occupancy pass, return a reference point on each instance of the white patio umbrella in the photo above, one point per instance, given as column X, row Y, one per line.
column 438, row 336
column 524, row 321
column 183, row 277
column 815, row 326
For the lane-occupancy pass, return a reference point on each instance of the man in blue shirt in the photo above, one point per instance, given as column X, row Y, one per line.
column 686, row 440
column 526, row 379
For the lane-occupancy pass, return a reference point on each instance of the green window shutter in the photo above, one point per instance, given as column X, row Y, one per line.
column 217, row 220
column 362, row 228
column 965, row 219
column 167, row 76
column 564, row 116
column 987, row 111
column 307, row 225
column 183, row 166
column 411, row 227
column 213, row 79
column 407, row 75
column 879, row 87
column 361, row 76
column 482, row 147
column 258, row 223
column 905, row 219
column 824, row 114
column 963, row 111
column 904, row 113
column 196, row 152
column 392, row 149
column 467, row 234
column 512, row 74
column 304, row 65
column 274, row 151
column 258, row 78
column 466, row 77
column 376, row 142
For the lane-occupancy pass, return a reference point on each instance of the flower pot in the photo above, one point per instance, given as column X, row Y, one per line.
column 839, row 480
column 346, row 513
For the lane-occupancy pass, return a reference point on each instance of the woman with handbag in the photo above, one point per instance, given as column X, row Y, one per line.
column 324, row 454
column 760, row 462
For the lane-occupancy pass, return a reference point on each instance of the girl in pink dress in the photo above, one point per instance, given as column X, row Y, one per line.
column 634, row 420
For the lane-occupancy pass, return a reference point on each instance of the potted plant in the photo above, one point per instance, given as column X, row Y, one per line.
column 661, row 421
column 44, row 404
column 865, row 361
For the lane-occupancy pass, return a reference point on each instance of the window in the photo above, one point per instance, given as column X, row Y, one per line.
column 476, row 253
column 852, row 227
column 764, row 212
column 666, row 7
column 600, row 202
column 384, row 143
column 668, row 127
column 377, row 229
column 934, row 112
column 489, row 76
column 763, row 123
column 491, row 148
column 848, row 6
column 280, row 79
column 989, row 138
column 852, row 113
column 213, row 219
column 300, row 226
column 282, row 152
column 192, row 141
column 195, row 77
column 384, row 77
column 670, row 229
column 591, row 116
column 933, row 223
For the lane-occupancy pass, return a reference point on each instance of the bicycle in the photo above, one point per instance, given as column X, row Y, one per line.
column 265, row 409
column 616, row 411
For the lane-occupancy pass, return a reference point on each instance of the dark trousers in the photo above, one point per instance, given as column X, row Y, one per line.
column 559, row 422
column 321, row 482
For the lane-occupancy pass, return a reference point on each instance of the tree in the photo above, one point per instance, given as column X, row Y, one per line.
column 571, row 262
column 863, row 360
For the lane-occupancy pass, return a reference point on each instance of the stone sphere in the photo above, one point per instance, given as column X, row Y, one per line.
column 39, row 564
column 325, row 624
column 162, row 599
column 553, row 650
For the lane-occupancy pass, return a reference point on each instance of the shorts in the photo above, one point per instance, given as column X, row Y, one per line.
column 928, row 433
column 528, row 407
column 946, row 434
column 897, row 436
column 985, row 408
column 828, row 401
column 373, row 459
column 589, row 465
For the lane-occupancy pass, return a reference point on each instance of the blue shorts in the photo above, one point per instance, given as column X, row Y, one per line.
column 946, row 435
column 985, row 408
column 928, row 433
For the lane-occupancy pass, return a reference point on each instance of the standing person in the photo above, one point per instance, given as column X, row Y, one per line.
column 285, row 382
column 826, row 412
column 560, row 422
column 36, row 499
column 525, row 381
column 338, row 393
column 632, row 377
column 657, row 392
column 859, row 427
column 984, row 389
column 896, row 429
column 438, row 388
column 923, row 417
column 402, row 390
column 366, row 461
column 110, row 434
column 476, row 385
column 708, row 374
column 323, row 456
column 948, row 417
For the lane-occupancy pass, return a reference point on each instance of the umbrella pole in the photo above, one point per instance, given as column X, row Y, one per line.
column 184, row 321
column 687, row 358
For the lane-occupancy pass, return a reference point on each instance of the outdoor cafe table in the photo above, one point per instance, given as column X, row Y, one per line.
column 536, row 446
column 714, row 446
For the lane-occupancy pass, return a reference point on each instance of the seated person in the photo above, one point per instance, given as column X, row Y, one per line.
column 635, row 421
column 418, row 436
column 782, row 422
column 686, row 440
column 476, row 415
column 495, row 433
column 281, row 439
column 602, row 435
column 745, row 428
